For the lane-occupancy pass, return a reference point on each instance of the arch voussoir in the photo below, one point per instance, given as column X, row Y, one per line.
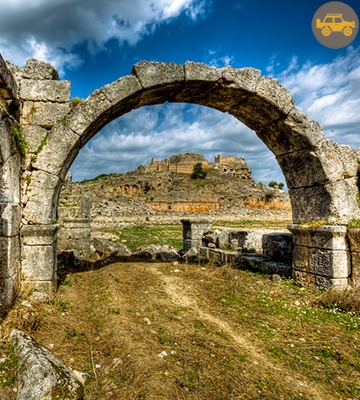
column 152, row 74
column 61, row 142
column 43, row 193
column 294, row 132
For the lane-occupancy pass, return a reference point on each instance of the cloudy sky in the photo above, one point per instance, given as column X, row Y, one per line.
column 94, row 42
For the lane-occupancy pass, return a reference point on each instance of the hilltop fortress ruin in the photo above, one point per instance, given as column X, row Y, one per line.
column 184, row 164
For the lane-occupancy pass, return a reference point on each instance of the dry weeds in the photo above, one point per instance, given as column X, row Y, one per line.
column 267, row 205
column 227, row 334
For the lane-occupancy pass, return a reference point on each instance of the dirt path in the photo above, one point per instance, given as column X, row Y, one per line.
column 183, row 297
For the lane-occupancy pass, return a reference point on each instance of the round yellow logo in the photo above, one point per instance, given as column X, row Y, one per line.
column 335, row 25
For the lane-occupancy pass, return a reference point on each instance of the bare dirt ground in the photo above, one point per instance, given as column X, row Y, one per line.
column 165, row 331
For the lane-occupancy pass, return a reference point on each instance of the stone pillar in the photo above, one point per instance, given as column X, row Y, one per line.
column 9, row 252
column 193, row 231
column 38, row 253
column 321, row 255
column 354, row 243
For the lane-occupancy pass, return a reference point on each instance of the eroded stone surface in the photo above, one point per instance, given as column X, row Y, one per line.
column 45, row 90
column 41, row 375
column 35, row 69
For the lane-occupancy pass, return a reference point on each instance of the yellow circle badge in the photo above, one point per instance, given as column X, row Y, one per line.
column 335, row 25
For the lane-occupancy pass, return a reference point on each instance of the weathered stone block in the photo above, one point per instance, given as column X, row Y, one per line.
column 77, row 223
column 41, row 375
column 193, row 231
column 9, row 256
column 276, row 94
column 10, row 219
column 295, row 132
column 43, row 193
column 8, row 146
column 9, row 289
column 8, row 86
column 330, row 263
column 33, row 135
column 259, row 263
column 53, row 157
column 157, row 73
column 44, row 114
column 80, row 244
column 122, row 88
column 248, row 241
column 329, row 237
column 300, row 258
column 201, row 72
column 308, row 279
column 323, row 237
column 10, row 185
column 355, row 267
column 203, row 252
column 45, row 90
column 223, row 239
column 34, row 235
column 80, row 233
column 215, row 254
column 48, row 287
column 35, row 69
column 277, row 246
column 335, row 203
column 328, row 162
column 255, row 112
column 38, row 263
column 353, row 235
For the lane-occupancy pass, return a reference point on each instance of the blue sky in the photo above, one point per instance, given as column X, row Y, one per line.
column 94, row 42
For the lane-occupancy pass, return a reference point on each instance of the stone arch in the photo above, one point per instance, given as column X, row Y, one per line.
column 320, row 174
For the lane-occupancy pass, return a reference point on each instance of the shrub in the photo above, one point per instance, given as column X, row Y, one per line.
column 273, row 184
column 198, row 172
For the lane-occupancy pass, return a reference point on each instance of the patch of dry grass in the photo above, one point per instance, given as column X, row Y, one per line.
column 226, row 334
column 267, row 205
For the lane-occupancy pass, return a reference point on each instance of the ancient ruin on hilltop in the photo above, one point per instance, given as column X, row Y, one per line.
column 184, row 164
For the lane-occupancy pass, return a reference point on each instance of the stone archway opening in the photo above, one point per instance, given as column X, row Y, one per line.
column 320, row 174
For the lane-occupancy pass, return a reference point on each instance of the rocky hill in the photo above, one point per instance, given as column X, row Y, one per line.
column 167, row 185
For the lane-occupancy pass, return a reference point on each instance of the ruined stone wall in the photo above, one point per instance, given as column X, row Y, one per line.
column 219, row 159
column 180, row 163
column 10, row 209
column 184, row 206
column 75, row 221
column 44, row 101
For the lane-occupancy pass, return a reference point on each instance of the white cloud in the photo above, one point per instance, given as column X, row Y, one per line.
column 329, row 94
column 213, row 58
column 49, row 30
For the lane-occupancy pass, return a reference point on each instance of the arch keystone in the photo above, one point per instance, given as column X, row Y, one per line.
column 157, row 73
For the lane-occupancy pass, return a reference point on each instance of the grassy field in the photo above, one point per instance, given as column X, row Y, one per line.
column 143, row 235
column 159, row 331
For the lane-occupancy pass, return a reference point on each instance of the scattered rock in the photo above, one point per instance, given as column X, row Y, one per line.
column 106, row 248
column 41, row 375
column 276, row 278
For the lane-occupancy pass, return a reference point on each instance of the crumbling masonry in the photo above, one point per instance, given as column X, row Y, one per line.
column 35, row 105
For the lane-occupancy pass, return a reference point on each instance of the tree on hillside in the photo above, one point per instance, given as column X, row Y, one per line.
column 273, row 184
column 198, row 172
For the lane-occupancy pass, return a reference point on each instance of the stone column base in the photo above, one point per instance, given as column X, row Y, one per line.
column 38, row 259
column 321, row 255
